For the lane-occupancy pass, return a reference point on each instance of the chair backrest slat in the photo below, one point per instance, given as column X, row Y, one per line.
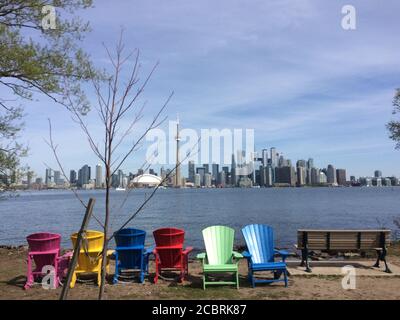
column 219, row 244
column 260, row 242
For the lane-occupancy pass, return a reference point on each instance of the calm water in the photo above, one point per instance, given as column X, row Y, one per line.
column 286, row 209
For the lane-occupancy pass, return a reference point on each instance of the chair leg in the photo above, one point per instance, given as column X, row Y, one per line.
column 116, row 273
column 56, row 278
column 99, row 277
column 285, row 274
column 204, row 281
column 73, row 280
column 29, row 276
column 237, row 279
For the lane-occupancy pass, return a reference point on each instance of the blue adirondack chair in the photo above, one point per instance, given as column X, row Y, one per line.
column 130, row 253
column 260, row 254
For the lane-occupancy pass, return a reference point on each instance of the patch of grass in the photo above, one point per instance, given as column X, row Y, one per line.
column 394, row 249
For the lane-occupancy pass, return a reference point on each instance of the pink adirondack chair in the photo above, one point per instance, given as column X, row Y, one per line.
column 44, row 250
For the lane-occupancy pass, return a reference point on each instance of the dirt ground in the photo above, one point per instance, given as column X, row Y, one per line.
column 13, row 270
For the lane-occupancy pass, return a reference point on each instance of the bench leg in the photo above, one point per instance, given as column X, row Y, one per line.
column 382, row 257
column 304, row 260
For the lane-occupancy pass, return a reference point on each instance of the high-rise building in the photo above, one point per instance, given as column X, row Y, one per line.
column 207, row 180
column 301, row 176
column 72, row 177
column 322, row 179
column 222, row 179
column 310, row 163
column 341, row 177
column 201, row 171
column 301, row 163
column 378, row 174
column 274, row 157
column 49, row 177
column 99, row 176
column 285, row 175
column 191, row 170
column 264, row 157
column 215, row 171
column 233, row 180
column 83, row 175
column 197, row 180
column 314, row 176
column 331, row 174
column 178, row 179
column 206, row 167
column 57, row 178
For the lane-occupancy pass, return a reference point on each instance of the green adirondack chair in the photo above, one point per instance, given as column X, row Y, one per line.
column 220, row 257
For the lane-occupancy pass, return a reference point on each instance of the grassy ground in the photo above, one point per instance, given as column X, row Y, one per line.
column 13, row 269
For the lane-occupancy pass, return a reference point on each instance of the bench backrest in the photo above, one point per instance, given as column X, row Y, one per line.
column 343, row 239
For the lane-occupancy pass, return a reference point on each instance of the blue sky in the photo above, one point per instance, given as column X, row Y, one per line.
column 285, row 68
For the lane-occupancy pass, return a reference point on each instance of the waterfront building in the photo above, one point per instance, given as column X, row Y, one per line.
column 377, row 182
column 57, row 178
column 222, row 179
column 310, row 163
column 387, row 182
column 274, row 157
column 322, row 178
column 378, row 174
column 245, row 182
column 49, row 177
column 331, row 175
column 285, row 175
column 146, row 180
column 366, row 181
column 215, row 171
column 197, row 180
column 72, row 177
column 191, row 171
column 301, row 163
column 394, row 181
column 201, row 171
column 314, row 176
column 301, row 176
column 207, row 180
column 341, row 177
column 84, row 175
column 233, row 171
column 264, row 157
column 99, row 176
column 226, row 171
column 206, row 167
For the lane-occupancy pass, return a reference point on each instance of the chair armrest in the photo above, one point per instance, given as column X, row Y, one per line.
column 237, row 255
column 246, row 255
column 187, row 250
column 282, row 253
column 149, row 251
column 201, row 256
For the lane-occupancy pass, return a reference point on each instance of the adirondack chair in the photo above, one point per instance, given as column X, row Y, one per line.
column 219, row 256
column 169, row 252
column 260, row 254
column 44, row 250
column 130, row 252
column 90, row 258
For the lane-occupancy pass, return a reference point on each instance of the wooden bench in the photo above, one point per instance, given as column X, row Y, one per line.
column 343, row 240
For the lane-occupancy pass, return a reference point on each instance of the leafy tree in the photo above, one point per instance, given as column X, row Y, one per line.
column 38, row 60
column 394, row 125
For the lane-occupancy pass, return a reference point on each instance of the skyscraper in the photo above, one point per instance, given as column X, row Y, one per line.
column 201, row 171
column 310, row 163
column 215, row 171
column 99, row 176
column 331, row 174
column 206, row 167
column 72, row 177
column 341, row 177
column 264, row 157
column 233, row 171
column 301, row 176
column 84, row 175
column 49, row 178
column 378, row 174
column 191, row 171
column 274, row 157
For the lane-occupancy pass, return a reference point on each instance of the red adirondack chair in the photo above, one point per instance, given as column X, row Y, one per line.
column 169, row 251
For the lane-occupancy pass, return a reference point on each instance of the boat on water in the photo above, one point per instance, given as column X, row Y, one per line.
column 120, row 189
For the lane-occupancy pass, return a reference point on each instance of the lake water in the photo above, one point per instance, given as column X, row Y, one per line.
column 285, row 209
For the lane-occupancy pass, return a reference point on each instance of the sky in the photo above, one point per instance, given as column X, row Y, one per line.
column 286, row 69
